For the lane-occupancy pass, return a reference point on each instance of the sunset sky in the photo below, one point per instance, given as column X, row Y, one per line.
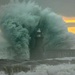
column 70, row 21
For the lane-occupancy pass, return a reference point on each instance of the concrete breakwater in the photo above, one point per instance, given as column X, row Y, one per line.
column 53, row 53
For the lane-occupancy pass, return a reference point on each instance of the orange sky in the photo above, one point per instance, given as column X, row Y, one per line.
column 70, row 20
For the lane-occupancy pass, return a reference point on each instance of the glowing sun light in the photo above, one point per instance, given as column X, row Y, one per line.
column 70, row 20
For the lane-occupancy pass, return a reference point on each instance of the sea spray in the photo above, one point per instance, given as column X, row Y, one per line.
column 19, row 23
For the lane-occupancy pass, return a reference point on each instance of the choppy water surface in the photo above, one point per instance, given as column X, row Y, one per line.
column 63, row 69
column 58, row 66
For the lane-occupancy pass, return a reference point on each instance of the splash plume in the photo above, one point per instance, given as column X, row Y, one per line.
column 19, row 23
